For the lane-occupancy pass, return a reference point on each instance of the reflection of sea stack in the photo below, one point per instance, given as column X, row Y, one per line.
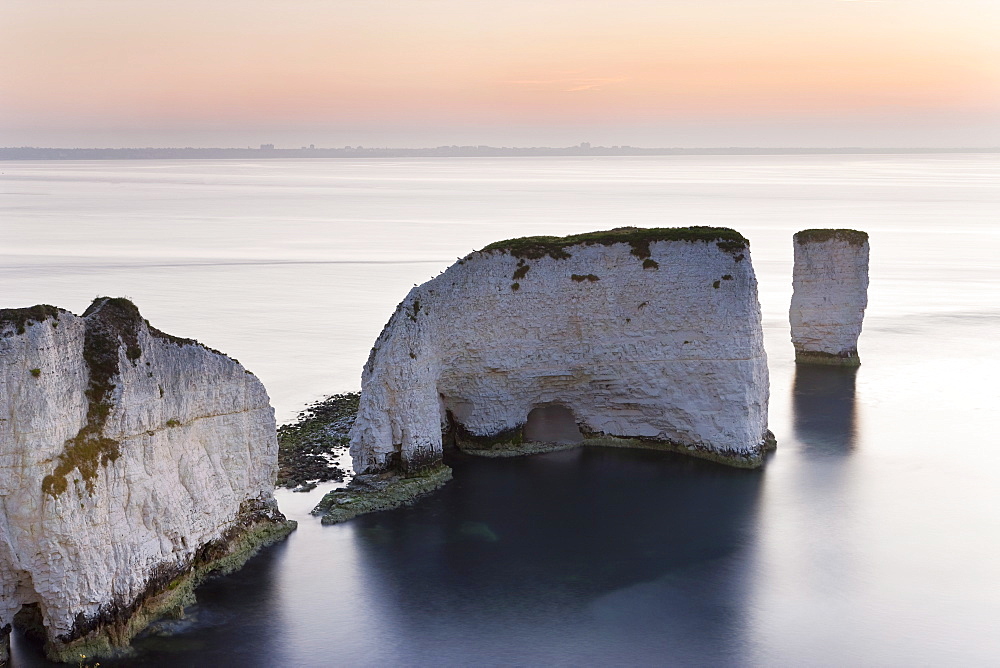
column 830, row 283
column 132, row 463
column 824, row 401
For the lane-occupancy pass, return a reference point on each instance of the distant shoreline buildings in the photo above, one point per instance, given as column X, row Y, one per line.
column 583, row 149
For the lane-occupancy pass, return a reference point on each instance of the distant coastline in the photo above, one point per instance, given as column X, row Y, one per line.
column 269, row 152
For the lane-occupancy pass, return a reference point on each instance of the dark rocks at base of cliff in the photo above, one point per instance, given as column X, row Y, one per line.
column 309, row 449
column 4, row 646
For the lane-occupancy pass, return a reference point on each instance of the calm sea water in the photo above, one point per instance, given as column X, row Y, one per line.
column 870, row 538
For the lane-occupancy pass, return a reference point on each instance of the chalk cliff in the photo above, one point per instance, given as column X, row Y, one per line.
column 131, row 464
column 830, row 294
column 632, row 337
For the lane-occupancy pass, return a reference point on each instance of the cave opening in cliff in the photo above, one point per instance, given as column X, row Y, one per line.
column 552, row 423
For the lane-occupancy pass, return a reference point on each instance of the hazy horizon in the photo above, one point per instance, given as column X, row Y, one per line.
column 694, row 149
column 685, row 73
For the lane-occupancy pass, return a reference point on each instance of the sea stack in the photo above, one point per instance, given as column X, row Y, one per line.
column 830, row 293
column 132, row 463
column 628, row 338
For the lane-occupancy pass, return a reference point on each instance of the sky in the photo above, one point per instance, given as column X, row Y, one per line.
column 686, row 73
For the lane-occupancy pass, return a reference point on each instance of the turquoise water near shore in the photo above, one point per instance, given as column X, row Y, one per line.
column 869, row 537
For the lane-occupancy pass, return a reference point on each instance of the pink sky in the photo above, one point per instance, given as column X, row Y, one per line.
column 517, row 72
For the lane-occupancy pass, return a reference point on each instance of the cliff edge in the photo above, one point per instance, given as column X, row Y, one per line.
column 630, row 337
column 132, row 463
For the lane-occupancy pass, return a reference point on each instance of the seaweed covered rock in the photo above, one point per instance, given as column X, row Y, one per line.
column 629, row 338
column 830, row 294
column 132, row 463
column 308, row 448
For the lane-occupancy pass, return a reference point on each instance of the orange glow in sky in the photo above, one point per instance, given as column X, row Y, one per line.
column 416, row 73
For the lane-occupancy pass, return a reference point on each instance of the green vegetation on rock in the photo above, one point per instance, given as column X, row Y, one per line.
column 19, row 318
column 853, row 237
column 534, row 248
column 847, row 358
column 111, row 324
column 384, row 491
column 306, row 447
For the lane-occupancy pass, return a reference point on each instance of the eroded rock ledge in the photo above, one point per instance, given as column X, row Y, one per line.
column 630, row 337
column 132, row 464
column 830, row 294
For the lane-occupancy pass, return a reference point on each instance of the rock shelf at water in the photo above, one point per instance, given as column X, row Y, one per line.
column 308, row 448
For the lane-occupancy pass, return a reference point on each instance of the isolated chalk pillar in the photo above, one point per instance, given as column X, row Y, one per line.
column 830, row 293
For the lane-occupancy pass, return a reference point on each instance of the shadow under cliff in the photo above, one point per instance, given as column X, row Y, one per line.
column 518, row 559
column 823, row 401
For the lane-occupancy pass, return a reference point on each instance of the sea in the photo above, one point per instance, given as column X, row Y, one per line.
column 870, row 537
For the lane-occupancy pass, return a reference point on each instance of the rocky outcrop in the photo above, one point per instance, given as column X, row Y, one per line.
column 132, row 463
column 633, row 337
column 830, row 293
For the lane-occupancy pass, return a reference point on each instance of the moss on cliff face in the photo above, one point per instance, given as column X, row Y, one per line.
column 533, row 248
column 853, row 237
column 111, row 324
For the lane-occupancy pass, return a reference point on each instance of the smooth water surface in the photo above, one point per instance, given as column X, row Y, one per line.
column 870, row 537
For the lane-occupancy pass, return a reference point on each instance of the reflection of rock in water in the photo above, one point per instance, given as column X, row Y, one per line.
column 569, row 527
column 823, row 399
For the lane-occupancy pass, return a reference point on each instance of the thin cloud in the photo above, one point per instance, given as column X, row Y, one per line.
column 567, row 84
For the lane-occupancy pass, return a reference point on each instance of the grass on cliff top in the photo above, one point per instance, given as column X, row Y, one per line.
column 639, row 238
column 19, row 318
column 853, row 237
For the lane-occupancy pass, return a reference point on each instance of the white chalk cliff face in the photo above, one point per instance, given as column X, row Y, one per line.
column 830, row 294
column 640, row 337
column 130, row 462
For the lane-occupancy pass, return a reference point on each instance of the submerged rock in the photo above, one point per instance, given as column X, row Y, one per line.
column 631, row 338
column 830, row 294
column 132, row 463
